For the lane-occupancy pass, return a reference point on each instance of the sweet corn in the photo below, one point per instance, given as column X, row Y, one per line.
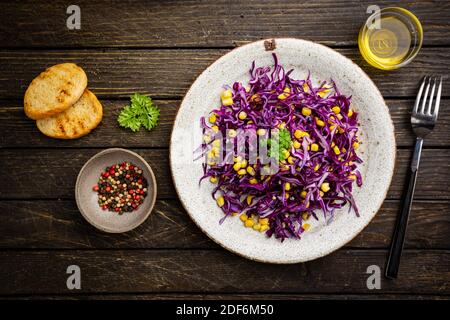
column 339, row 116
column 291, row 160
column 303, row 194
column 306, row 226
column 249, row 199
column 244, row 163
column 307, row 205
column 243, row 217
column 251, row 171
column 320, row 123
column 336, row 150
column 256, row 227
column 237, row 166
column 283, row 96
column 249, row 223
column 314, row 147
column 234, row 214
column 264, row 221
column 287, row 186
column 226, row 94
column 253, row 180
column 306, row 111
column 287, row 90
column 220, row 201
column 305, row 87
column 238, row 159
column 350, row 113
column 213, row 179
column 242, row 115
column 317, row 167
column 297, row 144
column 321, row 193
column 300, row 134
column 261, row 132
column 355, row 145
column 286, row 154
column 332, row 127
column 352, row 177
column 281, row 125
column 216, row 143
column 242, row 171
column 305, row 216
column 215, row 128
column 247, row 89
column 207, row 138
column 323, row 93
column 264, row 228
column 227, row 102
column 325, row 187
column 212, row 118
column 211, row 154
column 232, row 133
column 286, row 195
column 336, row 109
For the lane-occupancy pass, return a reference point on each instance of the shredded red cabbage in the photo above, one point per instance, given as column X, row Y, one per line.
column 317, row 170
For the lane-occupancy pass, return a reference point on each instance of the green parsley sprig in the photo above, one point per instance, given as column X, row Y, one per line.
column 140, row 112
column 279, row 144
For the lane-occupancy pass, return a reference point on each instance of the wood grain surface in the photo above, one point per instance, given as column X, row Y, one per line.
column 159, row 48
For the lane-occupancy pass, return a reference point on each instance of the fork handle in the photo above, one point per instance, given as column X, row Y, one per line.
column 398, row 237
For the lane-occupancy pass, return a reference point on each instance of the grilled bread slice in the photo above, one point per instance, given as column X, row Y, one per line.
column 76, row 121
column 54, row 90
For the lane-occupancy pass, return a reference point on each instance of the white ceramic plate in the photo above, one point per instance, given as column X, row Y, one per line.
column 377, row 151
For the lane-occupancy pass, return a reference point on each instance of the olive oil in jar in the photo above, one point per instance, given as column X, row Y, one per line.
column 393, row 42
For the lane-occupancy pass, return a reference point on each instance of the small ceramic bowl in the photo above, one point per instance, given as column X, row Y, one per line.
column 86, row 198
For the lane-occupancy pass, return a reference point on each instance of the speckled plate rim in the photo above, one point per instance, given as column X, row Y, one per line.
column 152, row 203
column 267, row 43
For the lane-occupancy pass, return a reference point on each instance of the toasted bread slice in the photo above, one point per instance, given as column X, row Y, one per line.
column 54, row 90
column 76, row 121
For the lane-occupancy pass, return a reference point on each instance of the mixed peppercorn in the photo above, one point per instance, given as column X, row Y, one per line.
column 121, row 188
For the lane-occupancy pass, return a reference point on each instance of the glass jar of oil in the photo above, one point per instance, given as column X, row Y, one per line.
column 390, row 38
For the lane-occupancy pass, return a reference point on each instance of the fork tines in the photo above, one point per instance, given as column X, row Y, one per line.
column 422, row 100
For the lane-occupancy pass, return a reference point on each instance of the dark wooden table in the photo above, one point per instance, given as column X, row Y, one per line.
column 159, row 48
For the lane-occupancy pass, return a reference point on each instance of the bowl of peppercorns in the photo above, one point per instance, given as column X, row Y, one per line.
column 116, row 190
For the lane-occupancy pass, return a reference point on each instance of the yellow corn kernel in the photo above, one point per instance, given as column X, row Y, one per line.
column 281, row 125
column 352, row 177
column 305, row 87
column 213, row 179
column 250, row 122
column 264, row 221
column 227, row 102
column 249, row 223
column 247, row 89
column 215, row 128
column 211, row 154
column 238, row 159
column 283, row 96
column 306, row 226
column 253, row 181
column 332, row 127
column 242, row 115
column 314, row 147
column 340, row 130
column 207, row 138
column 261, row 132
column 300, row 134
column 305, row 216
column 336, row 109
column 234, row 214
column 332, row 144
column 212, row 118
column 320, row 123
column 287, row 186
column 303, row 194
column 286, row 154
column 291, row 160
column 226, row 94
column 297, row 144
column 220, row 201
column 350, row 113
column 321, row 193
column 251, row 171
column 286, row 195
column 336, row 150
column 211, row 163
column 323, row 93
column 243, row 217
column 343, row 150
column 244, row 163
column 249, row 199
column 232, row 133
column 256, row 227
column 242, row 171
column 307, row 205
column 216, row 143
column 237, row 166
column 264, row 228
column 317, row 167
column 339, row 116
column 287, row 90
column 355, row 145
column 306, row 111
column 325, row 187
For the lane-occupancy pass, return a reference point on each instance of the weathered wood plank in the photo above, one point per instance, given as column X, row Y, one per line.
column 59, row 225
column 205, row 23
column 109, row 134
column 169, row 73
column 151, row 271
column 39, row 173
